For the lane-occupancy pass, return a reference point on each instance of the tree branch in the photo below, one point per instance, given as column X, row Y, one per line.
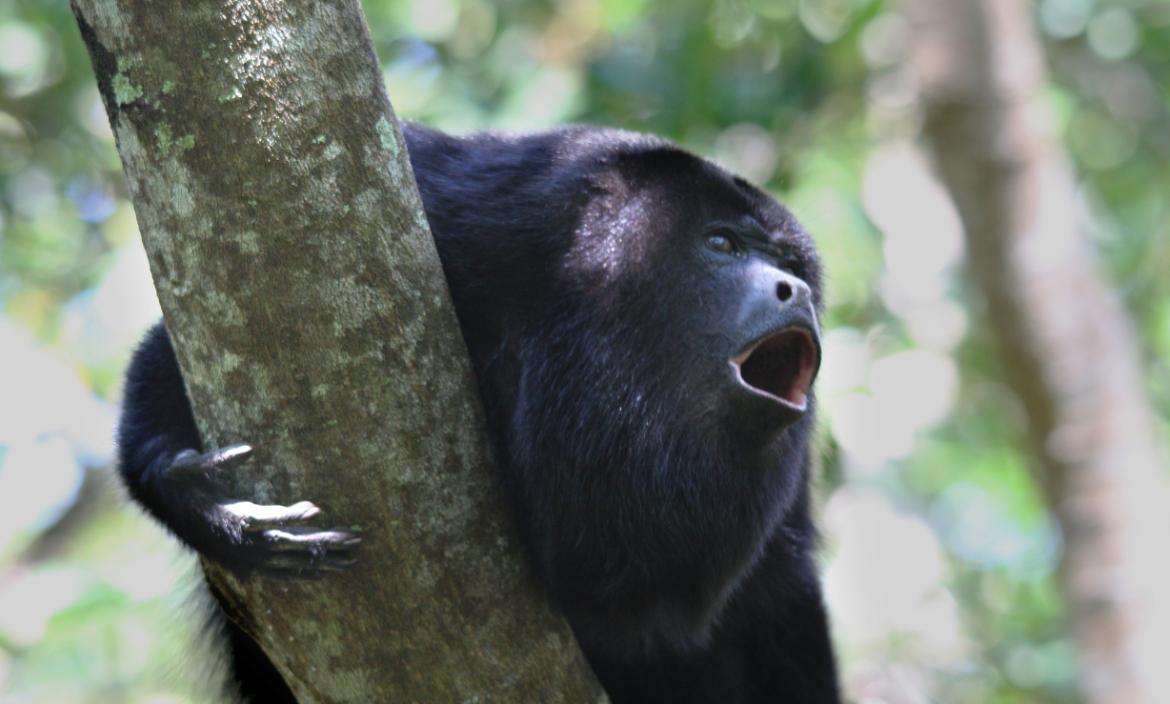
column 305, row 299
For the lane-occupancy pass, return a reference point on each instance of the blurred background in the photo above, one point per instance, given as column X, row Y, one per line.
column 947, row 524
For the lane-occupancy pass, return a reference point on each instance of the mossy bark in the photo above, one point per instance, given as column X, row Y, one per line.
column 304, row 296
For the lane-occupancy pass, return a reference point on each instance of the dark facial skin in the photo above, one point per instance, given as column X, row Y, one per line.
column 772, row 328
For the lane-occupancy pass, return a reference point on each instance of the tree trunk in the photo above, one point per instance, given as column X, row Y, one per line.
column 1067, row 347
column 304, row 296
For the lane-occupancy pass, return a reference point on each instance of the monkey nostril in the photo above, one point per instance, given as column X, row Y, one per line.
column 783, row 291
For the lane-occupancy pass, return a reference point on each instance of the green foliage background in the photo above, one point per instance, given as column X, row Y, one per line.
column 810, row 98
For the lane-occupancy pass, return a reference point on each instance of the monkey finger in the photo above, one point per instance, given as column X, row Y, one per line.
column 190, row 463
column 186, row 464
column 311, row 540
column 257, row 517
column 229, row 457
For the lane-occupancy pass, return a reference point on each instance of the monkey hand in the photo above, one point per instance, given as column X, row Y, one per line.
column 249, row 538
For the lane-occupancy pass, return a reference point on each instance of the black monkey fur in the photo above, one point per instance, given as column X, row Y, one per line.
column 643, row 326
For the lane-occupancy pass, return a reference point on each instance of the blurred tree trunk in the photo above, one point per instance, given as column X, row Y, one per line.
column 1067, row 346
column 311, row 319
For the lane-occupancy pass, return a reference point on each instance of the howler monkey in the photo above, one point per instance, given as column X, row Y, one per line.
column 643, row 327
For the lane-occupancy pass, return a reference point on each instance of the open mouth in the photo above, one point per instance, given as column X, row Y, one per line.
column 781, row 365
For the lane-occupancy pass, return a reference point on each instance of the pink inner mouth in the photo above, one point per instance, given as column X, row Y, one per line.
column 781, row 365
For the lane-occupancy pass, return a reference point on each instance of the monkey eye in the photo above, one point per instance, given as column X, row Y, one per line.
column 722, row 243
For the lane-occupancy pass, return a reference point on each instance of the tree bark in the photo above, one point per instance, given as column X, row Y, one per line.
column 304, row 296
column 1067, row 346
